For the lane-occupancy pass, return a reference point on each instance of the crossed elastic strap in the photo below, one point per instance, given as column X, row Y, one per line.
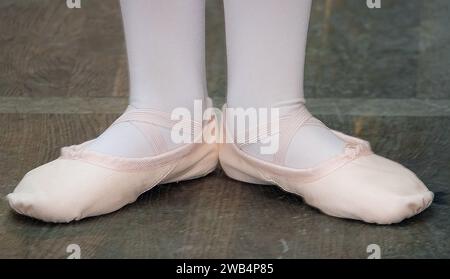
column 158, row 119
column 293, row 116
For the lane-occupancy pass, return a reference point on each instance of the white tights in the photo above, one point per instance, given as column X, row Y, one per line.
column 266, row 42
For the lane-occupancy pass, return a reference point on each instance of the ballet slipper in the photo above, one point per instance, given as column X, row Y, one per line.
column 357, row 184
column 82, row 183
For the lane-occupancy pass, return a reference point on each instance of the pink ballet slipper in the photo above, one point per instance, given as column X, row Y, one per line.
column 356, row 184
column 82, row 183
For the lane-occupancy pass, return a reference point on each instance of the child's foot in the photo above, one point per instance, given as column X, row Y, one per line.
column 103, row 175
column 345, row 179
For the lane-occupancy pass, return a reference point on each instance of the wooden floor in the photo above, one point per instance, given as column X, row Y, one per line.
column 383, row 75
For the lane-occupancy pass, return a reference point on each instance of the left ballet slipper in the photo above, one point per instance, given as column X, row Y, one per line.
column 82, row 183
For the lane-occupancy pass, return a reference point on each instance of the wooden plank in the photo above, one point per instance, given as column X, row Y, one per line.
column 217, row 217
column 50, row 50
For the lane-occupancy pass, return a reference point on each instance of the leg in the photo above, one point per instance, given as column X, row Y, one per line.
column 166, row 52
column 165, row 43
column 266, row 43
column 336, row 173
